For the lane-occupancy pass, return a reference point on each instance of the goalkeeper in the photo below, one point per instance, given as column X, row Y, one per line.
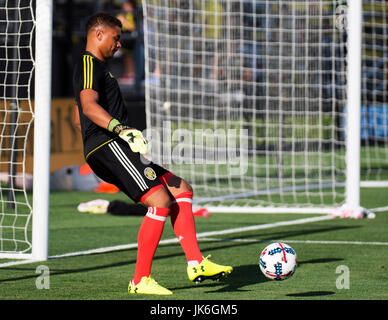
column 115, row 152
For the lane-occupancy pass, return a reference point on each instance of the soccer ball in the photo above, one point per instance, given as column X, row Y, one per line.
column 278, row 261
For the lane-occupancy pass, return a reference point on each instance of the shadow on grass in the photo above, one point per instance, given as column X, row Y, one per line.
column 323, row 260
column 240, row 277
column 311, row 294
column 246, row 275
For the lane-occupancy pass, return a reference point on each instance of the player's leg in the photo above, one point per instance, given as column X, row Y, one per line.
column 150, row 232
column 117, row 164
column 182, row 219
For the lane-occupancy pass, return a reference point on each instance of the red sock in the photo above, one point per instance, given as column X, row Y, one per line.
column 148, row 239
column 182, row 220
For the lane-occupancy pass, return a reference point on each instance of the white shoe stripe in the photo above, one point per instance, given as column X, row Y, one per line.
column 123, row 159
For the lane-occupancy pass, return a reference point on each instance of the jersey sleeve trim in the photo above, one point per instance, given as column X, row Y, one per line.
column 88, row 72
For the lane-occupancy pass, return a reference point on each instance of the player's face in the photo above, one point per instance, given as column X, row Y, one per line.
column 110, row 41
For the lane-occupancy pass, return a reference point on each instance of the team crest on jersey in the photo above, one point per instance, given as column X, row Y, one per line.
column 149, row 173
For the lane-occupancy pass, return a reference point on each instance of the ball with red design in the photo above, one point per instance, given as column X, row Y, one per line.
column 278, row 261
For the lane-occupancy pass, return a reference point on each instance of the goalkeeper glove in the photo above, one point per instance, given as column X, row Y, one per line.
column 135, row 140
column 133, row 137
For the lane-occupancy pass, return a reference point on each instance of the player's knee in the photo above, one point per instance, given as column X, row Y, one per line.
column 160, row 199
column 164, row 202
column 187, row 187
column 161, row 202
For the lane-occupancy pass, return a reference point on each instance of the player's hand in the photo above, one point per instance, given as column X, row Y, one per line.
column 135, row 140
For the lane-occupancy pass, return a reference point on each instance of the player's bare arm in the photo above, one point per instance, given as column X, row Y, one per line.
column 91, row 108
column 97, row 114
column 76, row 120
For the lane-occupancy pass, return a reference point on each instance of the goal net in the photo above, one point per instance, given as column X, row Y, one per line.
column 22, row 229
column 247, row 100
column 374, row 109
column 16, row 66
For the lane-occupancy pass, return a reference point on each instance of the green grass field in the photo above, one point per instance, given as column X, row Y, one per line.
column 323, row 246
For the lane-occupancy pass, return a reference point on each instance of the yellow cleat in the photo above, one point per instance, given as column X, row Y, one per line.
column 147, row 285
column 207, row 270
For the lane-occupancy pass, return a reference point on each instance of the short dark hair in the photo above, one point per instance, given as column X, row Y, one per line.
column 102, row 18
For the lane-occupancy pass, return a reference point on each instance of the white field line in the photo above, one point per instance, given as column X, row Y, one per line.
column 381, row 209
column 360, row 243
column 175, row 240
column 199, row 236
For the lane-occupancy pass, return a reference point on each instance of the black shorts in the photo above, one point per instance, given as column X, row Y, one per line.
column 116, row 163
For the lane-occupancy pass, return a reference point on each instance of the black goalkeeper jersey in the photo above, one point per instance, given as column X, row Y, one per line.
column 92, row 73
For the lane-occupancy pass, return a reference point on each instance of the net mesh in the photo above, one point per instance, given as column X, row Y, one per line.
column 16, row 116
column 247, row 98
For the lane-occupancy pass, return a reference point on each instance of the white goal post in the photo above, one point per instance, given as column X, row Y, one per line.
column 42, row 133
column 25, row 58
column 258, row 104
column 353, row 130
